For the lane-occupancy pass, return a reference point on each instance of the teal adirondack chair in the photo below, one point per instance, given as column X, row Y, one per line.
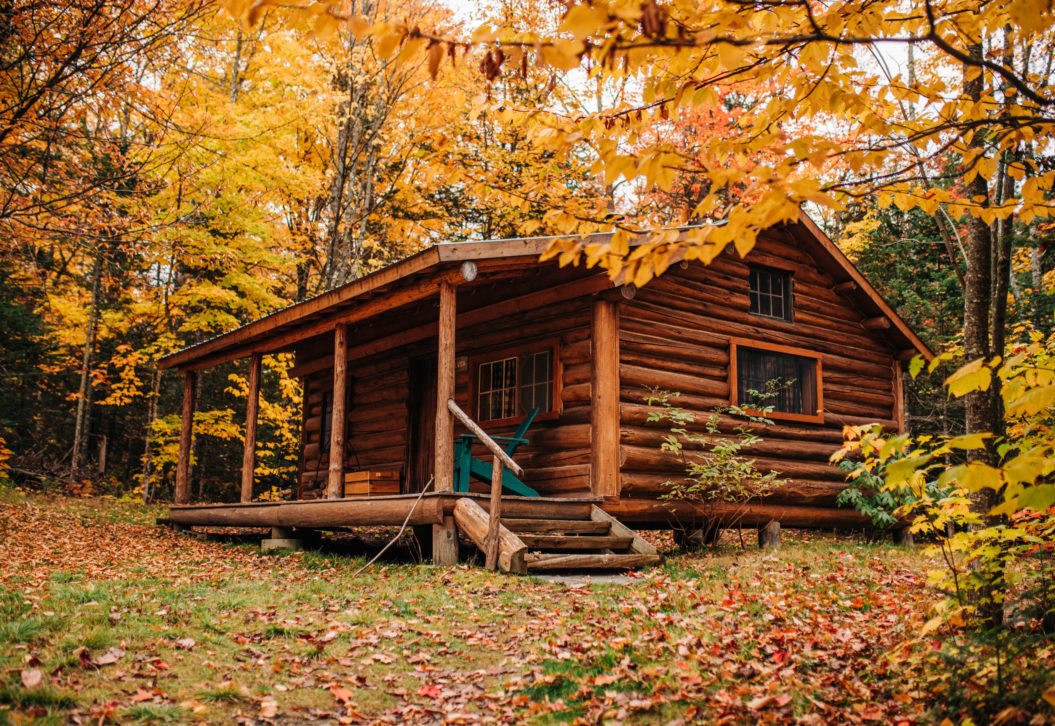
column 466, row 467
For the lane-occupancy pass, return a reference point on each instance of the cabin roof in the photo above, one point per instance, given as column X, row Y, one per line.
column 424, row 266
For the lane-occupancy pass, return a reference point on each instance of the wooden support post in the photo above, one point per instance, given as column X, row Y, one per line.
column 444, row 438
column 445, row 543
column 899, row 398
column 604, row 411
column 495, row 522
column 769, row 536
column 445, row 536
column 335, row 483
column 182, row 493
column 251, row 410
column 903, row 537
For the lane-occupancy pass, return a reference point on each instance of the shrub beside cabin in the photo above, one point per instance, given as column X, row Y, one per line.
column 504, row 336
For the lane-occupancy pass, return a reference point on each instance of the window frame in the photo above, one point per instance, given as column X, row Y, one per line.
column 491, row 355
column 734, row 383
column 789, row 292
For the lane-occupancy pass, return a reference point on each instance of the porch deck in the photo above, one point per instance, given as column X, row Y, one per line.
column 359, row 511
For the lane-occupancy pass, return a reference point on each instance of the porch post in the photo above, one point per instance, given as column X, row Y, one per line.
column 444, row 536
column 182, row 493
column 251, row 411
column 335, row 484
column 604, row 408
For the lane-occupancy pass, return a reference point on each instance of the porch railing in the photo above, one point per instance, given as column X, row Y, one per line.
column 501, row 460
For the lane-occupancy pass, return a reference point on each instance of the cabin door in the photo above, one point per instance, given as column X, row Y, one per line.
column 421, row 423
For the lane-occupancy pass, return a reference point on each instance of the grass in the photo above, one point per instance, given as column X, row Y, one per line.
column 208, row 630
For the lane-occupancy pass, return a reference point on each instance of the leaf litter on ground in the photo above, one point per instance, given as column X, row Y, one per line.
column 126, row 620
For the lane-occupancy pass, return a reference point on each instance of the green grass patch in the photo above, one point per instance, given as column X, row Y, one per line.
column 39, row 697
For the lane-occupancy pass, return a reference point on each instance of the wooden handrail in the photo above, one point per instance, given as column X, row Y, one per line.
column 490, row 443
column 501, row 458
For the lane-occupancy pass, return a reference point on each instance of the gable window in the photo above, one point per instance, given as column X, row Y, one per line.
column 787, row 380
column 510, row 385
column 770, row 292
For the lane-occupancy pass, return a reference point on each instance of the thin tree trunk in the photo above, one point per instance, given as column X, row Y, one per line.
column 152, row 415
column 977, row 292
column 84, row 399
column 197, row 444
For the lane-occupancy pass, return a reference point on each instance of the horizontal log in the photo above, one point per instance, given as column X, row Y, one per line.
column 838, row 407
column 563, row 436
column 630, row 375
column 715, row 354
column 551, row 473
column 366, row 511
column 653, row 438
column 670, row 364
column 575, row 542
column 555, row 526
column 529, row 507
column 577, row 352
column 641, row 460
column 843, row 392
column 575, row 374
column 544, row 562
column 654, row 485
column 575, row 395
column 689, row 401
column 660, row 514
column 533, row 458
column 634, row 414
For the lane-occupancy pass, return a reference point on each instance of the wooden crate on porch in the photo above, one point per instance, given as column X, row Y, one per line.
column 368, row 483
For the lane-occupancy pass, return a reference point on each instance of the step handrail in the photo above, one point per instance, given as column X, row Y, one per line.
column 501, row 459
column 490, row 443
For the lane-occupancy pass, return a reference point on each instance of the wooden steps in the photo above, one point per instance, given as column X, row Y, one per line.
column 527, row 545
column 575, row 542
column 556, row 526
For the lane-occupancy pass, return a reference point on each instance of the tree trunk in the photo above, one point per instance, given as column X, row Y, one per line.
column 977, row 293
column 978, row 297
column 84, row 399
column 152, row 415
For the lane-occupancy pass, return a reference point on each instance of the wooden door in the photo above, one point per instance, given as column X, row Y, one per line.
column 421, row 423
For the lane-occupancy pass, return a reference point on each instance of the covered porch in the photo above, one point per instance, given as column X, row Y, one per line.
column 383, row 367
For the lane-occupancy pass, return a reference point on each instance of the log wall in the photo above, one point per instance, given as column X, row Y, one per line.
column 675, row 334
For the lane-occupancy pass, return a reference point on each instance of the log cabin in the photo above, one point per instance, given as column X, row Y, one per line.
column 475, row 336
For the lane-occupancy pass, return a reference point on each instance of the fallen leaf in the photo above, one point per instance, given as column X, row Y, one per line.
column 760, row 702
column 109, row 657
column 430, row 691
column 341, row 693
column 268, row 707
column 32, row 677
column 185, row 643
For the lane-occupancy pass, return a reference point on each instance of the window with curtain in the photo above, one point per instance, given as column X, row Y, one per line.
column 788, row 383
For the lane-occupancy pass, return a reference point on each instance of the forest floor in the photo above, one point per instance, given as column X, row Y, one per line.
column 105, row 616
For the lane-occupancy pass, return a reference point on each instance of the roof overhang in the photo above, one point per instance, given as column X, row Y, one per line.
column 418, row 277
